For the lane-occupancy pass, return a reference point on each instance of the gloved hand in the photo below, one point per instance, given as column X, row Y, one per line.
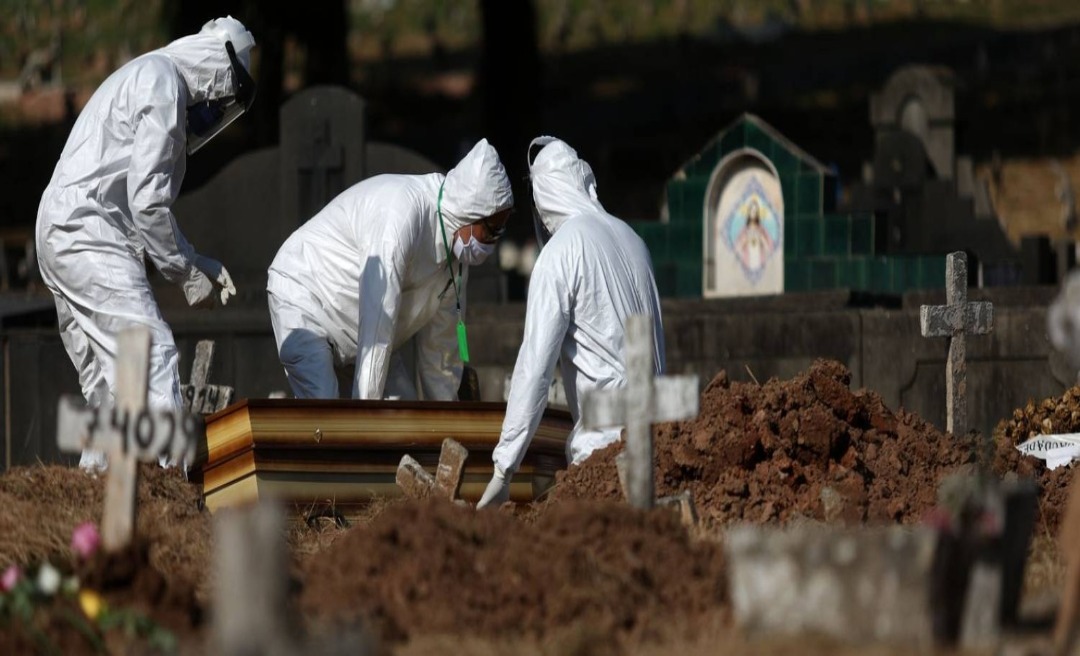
column 498, row 490
column 217, row 274
column 198, row 290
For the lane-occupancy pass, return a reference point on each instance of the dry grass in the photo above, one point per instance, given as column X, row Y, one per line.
column 308, row 539
column 1045, row 567
column 27, row 534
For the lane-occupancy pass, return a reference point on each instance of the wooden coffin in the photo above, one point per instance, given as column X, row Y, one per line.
column 333, row 457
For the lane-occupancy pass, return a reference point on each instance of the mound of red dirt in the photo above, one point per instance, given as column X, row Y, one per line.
column 433, row 568
column 1051, row 416
column 804, row 447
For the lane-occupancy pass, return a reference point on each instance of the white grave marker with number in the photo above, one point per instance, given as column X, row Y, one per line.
column 128, row 433
column 147, row 435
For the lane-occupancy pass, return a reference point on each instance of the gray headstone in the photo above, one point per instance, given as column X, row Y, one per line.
column 919, row 100
column 322, row 151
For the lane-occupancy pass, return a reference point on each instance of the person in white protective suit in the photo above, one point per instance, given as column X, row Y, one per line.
column 592, row 273
column 377, row 279
column 108, row 204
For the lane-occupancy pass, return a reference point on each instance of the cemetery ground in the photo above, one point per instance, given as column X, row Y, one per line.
column 577, row 572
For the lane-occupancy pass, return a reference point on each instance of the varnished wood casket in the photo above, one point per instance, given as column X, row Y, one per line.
column 334, row 456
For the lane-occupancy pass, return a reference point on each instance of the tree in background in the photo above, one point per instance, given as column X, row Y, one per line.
column 510, row 84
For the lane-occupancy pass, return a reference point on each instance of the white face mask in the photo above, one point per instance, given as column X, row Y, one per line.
column 472, row 253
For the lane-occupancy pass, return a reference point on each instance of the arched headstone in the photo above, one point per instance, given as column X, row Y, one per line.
column 919, row 100
column 744, row 228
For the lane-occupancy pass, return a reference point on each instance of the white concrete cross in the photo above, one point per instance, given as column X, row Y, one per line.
column 198, row 396
column 643, row 401
column 128, row 432
column 956, row 320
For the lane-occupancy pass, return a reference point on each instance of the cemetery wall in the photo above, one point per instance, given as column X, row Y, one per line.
column 876, row 338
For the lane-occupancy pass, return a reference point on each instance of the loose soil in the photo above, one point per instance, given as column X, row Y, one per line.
column 804, row 448
column 579, row 572
column 1055, row 415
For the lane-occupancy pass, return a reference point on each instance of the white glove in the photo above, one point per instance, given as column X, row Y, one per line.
column 498, row 490
column 197, row 289
column 218, row 274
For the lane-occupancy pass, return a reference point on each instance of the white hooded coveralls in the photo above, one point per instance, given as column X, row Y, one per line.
column 369, row 273
column 108, row 205
column 591, row 275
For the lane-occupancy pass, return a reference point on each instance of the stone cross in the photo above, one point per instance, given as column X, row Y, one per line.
column 643, row 401
column 416, row 483
column 956, row 320
column 198, row 396
column 321, row 161
column 127, row 432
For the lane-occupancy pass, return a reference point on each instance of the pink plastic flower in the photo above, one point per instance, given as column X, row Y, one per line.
column 11, row 578
column 85, row 540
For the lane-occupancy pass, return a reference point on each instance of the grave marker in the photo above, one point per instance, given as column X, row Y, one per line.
column 417, row 483
column 251, row 583
column 128, row 432
column 857, row 585
column 641, row 403
column 198, row 396
column 955, row 320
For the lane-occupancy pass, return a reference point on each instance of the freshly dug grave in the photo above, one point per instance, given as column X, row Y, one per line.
column 1051, row 416
column 416, row 569
column 807, row 447
column 433, row 568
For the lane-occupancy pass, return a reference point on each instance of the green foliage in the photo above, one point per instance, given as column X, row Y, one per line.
column 137, row 626
column 577, row 24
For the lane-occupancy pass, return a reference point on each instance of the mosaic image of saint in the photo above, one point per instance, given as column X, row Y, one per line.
column 753, row 243
column 752, row 233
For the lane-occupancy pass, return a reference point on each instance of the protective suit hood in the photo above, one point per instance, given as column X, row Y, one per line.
column 203, row 63
column 563, row 184
column 476, row 188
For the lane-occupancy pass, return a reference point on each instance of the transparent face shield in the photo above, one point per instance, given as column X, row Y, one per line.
column 207, row 119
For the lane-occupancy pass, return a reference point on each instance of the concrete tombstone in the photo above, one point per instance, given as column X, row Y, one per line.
column 919, row 101
column 322, row 150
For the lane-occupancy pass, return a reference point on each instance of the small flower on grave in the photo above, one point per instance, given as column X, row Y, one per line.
column 11, row 578
column 85, row 540
column 91, row 603
column 48, row 580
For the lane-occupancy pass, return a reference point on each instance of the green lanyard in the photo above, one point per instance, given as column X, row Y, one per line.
column 462, row 338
